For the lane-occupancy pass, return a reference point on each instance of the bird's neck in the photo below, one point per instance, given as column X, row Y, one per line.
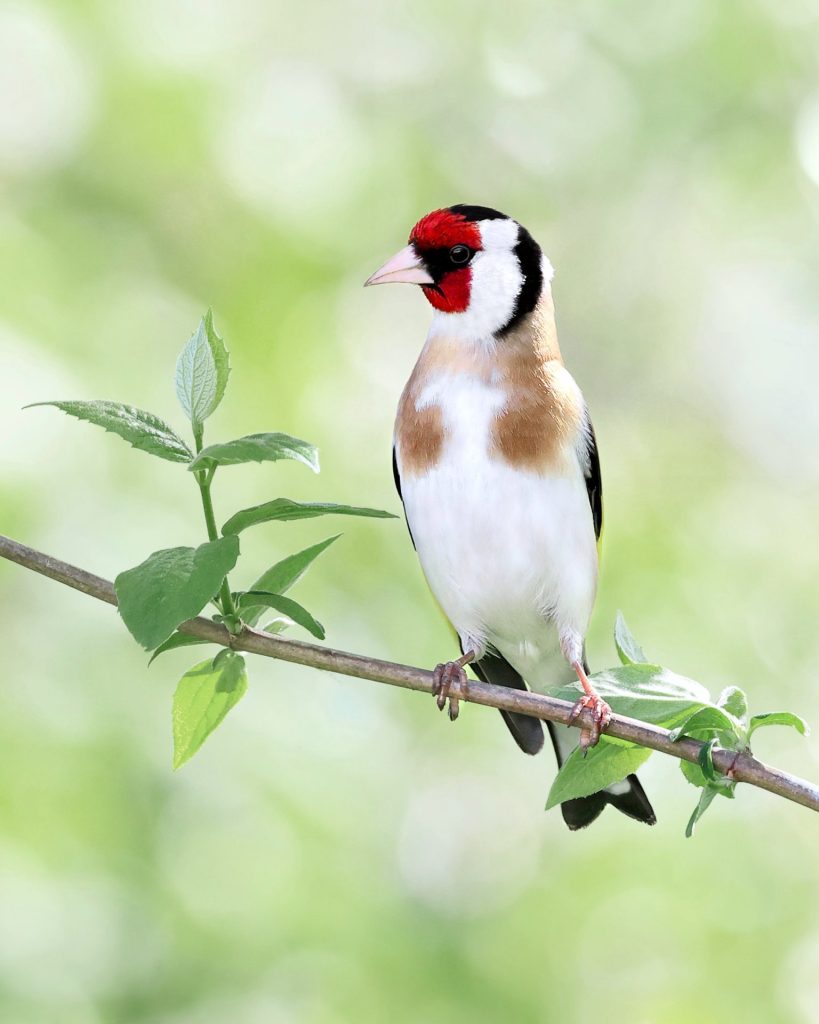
column 532, row 341
column 537, row 332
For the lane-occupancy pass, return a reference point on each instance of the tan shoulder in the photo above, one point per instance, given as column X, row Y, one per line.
column 544, row 413
column 419, row 428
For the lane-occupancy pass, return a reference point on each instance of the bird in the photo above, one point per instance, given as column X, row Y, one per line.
column 496, row 464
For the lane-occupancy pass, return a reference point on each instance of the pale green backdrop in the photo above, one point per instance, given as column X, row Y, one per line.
column 338, row 852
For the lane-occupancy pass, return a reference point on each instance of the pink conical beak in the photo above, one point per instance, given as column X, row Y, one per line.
column 405, row 267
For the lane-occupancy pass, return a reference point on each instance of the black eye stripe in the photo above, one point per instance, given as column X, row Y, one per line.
column 439, row 262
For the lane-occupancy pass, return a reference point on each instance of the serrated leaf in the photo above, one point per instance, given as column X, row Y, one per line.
column 285, row 510
column 286, row 605
column 142, row 430
column 202, row 371
column 257, row 448
column 604, row 765
column 203, row 697
column 779, row 718
column 171, row 586
column 703, row 804
column 734, row 701
column 628, row 650
column 646, row 692
column 174, row 641
column 279, row 578
column 703, row 721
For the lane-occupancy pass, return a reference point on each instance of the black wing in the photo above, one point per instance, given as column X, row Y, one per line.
column 594, row 483
column 397, row 478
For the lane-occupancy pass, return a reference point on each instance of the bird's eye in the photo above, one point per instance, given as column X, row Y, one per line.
column 460, row 254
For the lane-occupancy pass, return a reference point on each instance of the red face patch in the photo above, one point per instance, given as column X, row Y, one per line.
column 433, row 237
column 443, row 228
column 451, row 294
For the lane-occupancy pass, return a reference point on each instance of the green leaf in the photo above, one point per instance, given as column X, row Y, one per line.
column 280, row 577
column 705, row 760
column 694, row 774
column 705, row 720
column 779, row 718
column 628, row 650
column 140, row 429
column 278, row 625
column 647, row 692
column 203, row 697
column 202, row 371
column 177, row 640
column 704, row 803
column 292, row 609
column 257, row 448
column 604, row 765
column 284, row 510
column 734, row 701
column 171, row 586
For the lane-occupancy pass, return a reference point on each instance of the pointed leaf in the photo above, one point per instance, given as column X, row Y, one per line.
column 734, row 701
column 171, row 586
column 628, row 650
column 704, row 803
column 703, row 721
column 280, row 577
column 292, row 609
column 779, row 718
column 203, row 697
column 174, row 641
column 202, row 371
column 257, row 448
column 284, row 510
column 140, row 429
column 604, row 765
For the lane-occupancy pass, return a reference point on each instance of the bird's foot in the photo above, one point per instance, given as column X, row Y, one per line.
column 450, row 684
column 601, row 716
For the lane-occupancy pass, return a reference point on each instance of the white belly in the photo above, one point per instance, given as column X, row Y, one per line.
column 510, row 554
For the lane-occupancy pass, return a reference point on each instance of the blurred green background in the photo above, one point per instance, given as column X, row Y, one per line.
column 337, row 851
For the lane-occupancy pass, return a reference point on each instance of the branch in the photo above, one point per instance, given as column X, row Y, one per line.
column 746, row 768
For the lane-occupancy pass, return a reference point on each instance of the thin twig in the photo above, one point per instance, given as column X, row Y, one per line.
column 744, row 768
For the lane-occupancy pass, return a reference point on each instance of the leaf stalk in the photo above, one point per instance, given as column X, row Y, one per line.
column 204, row 478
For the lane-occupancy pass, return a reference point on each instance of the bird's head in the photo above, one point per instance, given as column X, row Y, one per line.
column 480, row 270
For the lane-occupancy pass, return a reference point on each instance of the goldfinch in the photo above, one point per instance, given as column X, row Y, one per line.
column 496, row 463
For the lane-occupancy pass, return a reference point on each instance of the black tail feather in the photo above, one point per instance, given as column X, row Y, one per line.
column 633, row 802
column 627, row 796
column 583, row 810
column 527, row 731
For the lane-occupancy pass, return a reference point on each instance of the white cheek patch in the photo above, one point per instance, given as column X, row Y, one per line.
column 498, row 235
column 496, row 283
